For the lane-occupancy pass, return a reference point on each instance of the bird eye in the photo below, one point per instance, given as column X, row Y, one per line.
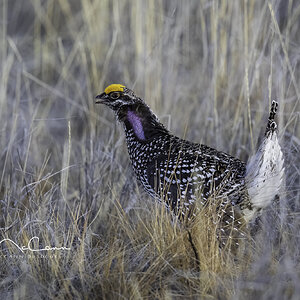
column 114, row 95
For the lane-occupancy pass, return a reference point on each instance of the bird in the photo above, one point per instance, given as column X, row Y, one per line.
column 181, row 174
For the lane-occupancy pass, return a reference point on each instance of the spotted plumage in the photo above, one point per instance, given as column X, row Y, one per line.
column 181, row 173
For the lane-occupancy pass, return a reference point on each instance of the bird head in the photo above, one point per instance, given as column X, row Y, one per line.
column 132, row 111
column 117, row 96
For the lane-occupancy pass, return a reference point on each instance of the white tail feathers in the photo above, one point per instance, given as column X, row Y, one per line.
column 265, row 169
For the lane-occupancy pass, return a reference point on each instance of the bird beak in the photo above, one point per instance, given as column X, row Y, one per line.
column 102, row 98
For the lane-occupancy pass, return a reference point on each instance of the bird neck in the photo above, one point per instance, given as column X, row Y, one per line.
column 142, row 122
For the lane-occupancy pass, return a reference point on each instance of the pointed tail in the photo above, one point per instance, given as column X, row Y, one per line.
column 265, row 170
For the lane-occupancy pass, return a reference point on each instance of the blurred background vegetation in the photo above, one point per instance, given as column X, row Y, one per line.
column 209, row 69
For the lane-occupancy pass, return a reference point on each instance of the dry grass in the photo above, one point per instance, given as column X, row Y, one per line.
column 214, row 66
